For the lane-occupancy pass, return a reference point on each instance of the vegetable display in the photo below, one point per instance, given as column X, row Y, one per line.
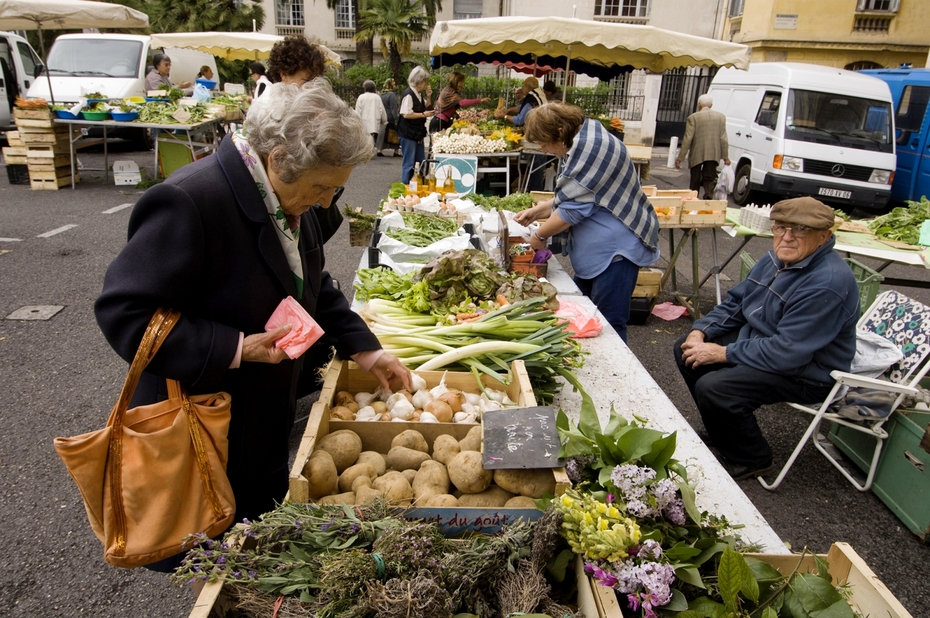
column 461, row 143
column 902, row 224
column 160, row 112
column 515, row 202
column 422, row 230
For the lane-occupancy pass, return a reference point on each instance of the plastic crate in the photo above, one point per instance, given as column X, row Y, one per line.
column 746, row 262
column 18, row 174
column 868, row 281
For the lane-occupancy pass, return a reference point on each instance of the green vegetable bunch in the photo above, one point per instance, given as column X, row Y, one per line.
column 422, row 230
column 160, row 112
column 515, row 202
column 902, row 224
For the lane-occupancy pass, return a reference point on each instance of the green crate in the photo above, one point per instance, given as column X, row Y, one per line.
column 868, row 279
column 902, row 476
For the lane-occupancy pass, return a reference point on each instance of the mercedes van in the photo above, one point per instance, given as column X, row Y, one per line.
column 800, row 129
column 17, row 71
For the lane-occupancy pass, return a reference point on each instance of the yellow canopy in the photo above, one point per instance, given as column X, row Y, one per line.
column 591, row 43
column 231, row 45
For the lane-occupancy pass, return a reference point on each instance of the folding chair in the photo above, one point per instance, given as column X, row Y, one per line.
column 904, row 322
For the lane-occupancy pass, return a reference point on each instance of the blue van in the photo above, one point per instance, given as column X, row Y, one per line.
column 910, row 90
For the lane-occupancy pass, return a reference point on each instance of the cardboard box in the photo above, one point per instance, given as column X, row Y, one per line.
column 126, row 173
column 870, row 597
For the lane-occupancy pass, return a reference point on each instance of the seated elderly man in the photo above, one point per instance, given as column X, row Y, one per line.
column 775, row 338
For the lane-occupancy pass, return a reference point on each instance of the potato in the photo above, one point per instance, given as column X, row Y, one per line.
column 403, row 458
column 472, row 441
column 530, row 483
column 352, row 406
column 467, row 474
column 411, row 438
column 445, row 447
column 320, row 471
column 379, row 406
column 342, row 413
column 442, row 500
column 520, row 502
column 359, row 482
column 493, row 496
column 367, row 495
column 373, row 458
column 432, row 479
column 344, row 445
column 346, row 498
column 409, row 475
column 394, row 487
column 349, row 475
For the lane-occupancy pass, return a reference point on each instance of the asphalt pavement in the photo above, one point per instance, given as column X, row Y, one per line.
column 60, row 378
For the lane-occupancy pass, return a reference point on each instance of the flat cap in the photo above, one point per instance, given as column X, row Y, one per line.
column 803, row 211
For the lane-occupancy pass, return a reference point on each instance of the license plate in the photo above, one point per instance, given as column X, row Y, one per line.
column 845, row 195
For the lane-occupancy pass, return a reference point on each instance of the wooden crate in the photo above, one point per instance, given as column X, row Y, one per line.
column 29, row 123
column 541, row 196
column 32, row 114
column 645, row 291
column 47, row 157
column 52, row 184
column 14, row 155
column 650, row 190
column 667, row 209
column 537, row 270
column 676, row 193
column 703, row 212
column 48, row 171
column 649, row 276
column 13, row 139
column 870, row 597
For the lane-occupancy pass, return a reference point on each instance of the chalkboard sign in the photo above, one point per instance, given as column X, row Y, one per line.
column 520, row 438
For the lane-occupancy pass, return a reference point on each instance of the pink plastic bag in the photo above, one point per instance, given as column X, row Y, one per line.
column 580, row 323
column 668, row 311
column 304, row 329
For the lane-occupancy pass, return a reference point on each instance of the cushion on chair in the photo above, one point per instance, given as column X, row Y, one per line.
column 906, row 323
column 865, row 404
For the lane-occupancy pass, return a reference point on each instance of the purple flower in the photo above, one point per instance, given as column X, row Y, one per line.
column 675, row 512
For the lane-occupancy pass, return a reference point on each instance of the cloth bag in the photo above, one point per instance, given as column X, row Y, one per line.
column 156, row 473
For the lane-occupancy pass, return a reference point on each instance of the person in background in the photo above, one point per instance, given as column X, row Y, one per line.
column 613, row 230
column 412, row 123
column 513, row 109
column 158, row 76
column 776, row 337
column 552, row 92
column 224, row 240
column 295, row 60
column 389, row 137
column 449, row 102
column 705, row 143
column 206, row 73
column 369, row 107
column 533, row 99
column 257, row 69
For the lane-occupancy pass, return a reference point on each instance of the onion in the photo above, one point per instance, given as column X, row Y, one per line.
column 440, row 409
column 454, row 398
column 379, row 406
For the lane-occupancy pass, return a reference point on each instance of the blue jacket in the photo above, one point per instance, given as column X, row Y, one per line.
column 797, row 321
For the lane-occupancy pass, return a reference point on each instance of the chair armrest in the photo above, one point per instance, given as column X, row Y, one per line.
column 851, row 379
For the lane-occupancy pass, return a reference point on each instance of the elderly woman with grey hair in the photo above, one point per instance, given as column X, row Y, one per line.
column 224, row 240
column 411, row 127
column 370, row 109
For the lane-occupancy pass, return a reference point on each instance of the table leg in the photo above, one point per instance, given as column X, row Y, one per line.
column 71, row 140
column 155, row 139
column 695, row 275
column 106, row 157
column 713, row 233
column 719, row 269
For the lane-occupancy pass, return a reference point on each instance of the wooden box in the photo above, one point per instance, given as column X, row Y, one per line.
column 870, row 597
column 650, row 190
column 13, row 139
column 707, row 213
column 676, row 193
column 538, row 270
column 668, row 209
column 649, row 276
column 541, row 196
column 45, row 184
column 14, row 155
column 32, row 114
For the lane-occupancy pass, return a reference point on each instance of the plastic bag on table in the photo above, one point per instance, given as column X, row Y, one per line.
column 580, row 322
column 201, row 93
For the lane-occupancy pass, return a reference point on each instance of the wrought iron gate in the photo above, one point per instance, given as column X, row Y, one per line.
column 678, row 100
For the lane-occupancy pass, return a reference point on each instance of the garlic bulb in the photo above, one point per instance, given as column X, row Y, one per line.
column 489, row 405
column 439, row 389
column 469, row 408
column 422, row 398
column 507, row 401
column 426, row 417
column 472, row 398
column 402, row 409
column 396, row 397
column 367, row 414
column 364, row 399
column 417, row 382
column 495, row 395
column 464, row 417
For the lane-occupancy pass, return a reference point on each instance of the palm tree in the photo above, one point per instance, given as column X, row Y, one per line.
column 204, row 15
column 397, row 23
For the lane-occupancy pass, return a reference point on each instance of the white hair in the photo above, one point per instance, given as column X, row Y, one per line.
column 306, row 127
column 417, row 76
column 705, row 100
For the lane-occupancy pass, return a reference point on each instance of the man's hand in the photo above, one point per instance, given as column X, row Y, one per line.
column 391, row 373
column 260, row 348
column 726, row 161
column 677, row 165
column 697, row 352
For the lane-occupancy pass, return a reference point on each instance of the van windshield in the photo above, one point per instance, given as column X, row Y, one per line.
column 828, row 118
column 95, row 57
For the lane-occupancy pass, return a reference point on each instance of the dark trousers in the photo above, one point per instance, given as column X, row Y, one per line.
column 611, row 292
column 727, row 396
column 704, row 175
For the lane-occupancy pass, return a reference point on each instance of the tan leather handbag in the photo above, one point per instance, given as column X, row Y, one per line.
column 155, row 473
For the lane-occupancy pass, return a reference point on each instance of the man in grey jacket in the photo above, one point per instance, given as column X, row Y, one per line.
column 776, row 337
column 705, row 143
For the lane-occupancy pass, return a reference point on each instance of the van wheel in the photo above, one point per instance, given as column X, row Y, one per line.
column 741, row 187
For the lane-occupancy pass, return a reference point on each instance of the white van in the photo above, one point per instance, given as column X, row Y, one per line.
column 801, row 129
column 112, row 64
column 17, row 70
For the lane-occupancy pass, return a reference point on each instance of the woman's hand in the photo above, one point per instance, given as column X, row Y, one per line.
column 539, row 211
column 260, row 348
column 486, row 99
column 391, row 373
column 183, row 85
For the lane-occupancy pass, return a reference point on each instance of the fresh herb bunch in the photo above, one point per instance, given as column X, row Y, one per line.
column 173, row 93
column 422, row 230
column 515, row 202
column 360, row 220
column 902, row 224
column 95, row 95
column 160, row 112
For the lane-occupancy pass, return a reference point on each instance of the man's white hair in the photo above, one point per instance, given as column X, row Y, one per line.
column 705, row 100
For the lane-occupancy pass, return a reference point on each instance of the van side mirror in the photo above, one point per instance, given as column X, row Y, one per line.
column 37, row 71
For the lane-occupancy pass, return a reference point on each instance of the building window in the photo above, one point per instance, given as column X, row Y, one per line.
column 289, row 13
column 872, row 23
column 736, row 8
column 863, row 65
column 467, row 9
column 621, row 8
column 345, row 15
column 885, row 6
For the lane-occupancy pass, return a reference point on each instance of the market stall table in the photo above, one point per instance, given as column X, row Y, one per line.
column 691, row 232
column 206, row 129
column 642, row 159
column 851, row 243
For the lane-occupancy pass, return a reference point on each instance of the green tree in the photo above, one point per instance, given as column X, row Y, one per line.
column 204, row 15
column 397, row 23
